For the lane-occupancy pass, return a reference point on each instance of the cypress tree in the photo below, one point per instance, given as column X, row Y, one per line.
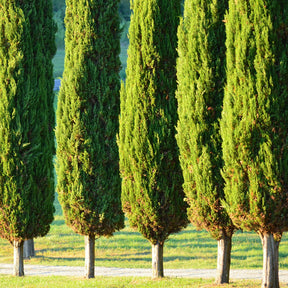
column 254, row 124
column 43, row 34
column 201, row 79
column 88, row 180
column 26, row 130
column 152, row 194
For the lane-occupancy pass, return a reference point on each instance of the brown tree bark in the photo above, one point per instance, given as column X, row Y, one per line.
column 89, row 256
column 18, row 269
column 223, row 259
column 28, row 249
column 270, row 277
column 157, row 260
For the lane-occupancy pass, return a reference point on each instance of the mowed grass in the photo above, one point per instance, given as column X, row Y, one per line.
column 109, row 282
column 128, row 249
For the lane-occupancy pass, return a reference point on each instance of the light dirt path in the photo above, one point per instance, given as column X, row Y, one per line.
column 33, row 270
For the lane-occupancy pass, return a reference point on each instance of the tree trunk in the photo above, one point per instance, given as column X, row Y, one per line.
column 89, row 256
column 18, row 259
column 28, row 249
column 270, row 277
column 157, row 260
column 223, row 259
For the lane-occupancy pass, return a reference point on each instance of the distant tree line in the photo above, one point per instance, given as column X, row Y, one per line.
column 200, row 123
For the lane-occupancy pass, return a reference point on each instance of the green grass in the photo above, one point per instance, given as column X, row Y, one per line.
column 109, row 282
column 187, row 249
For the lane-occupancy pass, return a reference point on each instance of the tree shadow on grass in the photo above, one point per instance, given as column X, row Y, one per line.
column 129, row 233
column 192, row 245
column 130, row 259
column 182, row 258
column 52, row 259
column 60, row 249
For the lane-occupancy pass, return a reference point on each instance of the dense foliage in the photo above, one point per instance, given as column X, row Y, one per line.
column 59, row 15
column 201, row 79
column 254, row 126
column 87, row 119
column 26, row 119
column 152, row 194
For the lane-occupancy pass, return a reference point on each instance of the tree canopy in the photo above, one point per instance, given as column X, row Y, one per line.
column 27, row 120
column 87, row 119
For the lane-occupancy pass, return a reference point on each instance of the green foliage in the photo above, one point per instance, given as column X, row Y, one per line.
column 152, row 193
column 58, row 5
column 254, row 125
column 59, row 14
column 58, row 17
column 26, row 119
column 128, row 249
column 201, row 78
column 87, row 119
column 43, row 33
column 58, row 63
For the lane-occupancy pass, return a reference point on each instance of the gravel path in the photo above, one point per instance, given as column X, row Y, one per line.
column 31, row 270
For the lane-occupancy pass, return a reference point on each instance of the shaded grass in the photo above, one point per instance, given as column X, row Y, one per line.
column 187, row 249
column 99, row 282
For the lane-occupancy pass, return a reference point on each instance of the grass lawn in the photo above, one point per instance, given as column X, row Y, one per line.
column 109, row 282
column 187, row 249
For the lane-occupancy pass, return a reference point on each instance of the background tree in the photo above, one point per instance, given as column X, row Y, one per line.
column 152, row 194
column 124, row 9
column 27, row 120
column 87, row 123
column 58, row 16
column 59, row 7
column 201, row 79
column 254, row 126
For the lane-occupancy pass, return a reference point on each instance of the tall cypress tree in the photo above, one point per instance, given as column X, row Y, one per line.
column 152, row 194
column 26, row 130
column 42, row 82
column 87, row 122
column 254, row 124
column 201, row 79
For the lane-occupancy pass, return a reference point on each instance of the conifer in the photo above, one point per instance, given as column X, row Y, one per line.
column 88, row 180
column 201, row 78
column 254, row 124
column 27, row 120
column 152, row 194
